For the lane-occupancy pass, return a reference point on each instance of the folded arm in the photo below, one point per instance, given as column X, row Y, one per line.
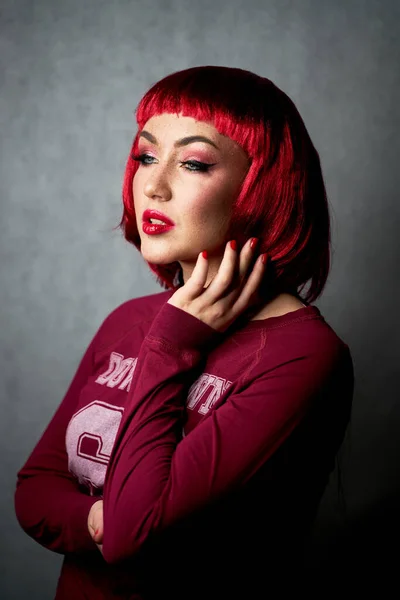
column 154, row 478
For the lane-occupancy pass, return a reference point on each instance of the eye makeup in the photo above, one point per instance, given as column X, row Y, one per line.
column 190, row 165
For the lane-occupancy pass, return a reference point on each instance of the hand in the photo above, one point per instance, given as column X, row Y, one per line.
column 229, row 293
column 95, row 523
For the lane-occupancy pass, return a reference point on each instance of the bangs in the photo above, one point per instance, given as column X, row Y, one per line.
column 212, row 95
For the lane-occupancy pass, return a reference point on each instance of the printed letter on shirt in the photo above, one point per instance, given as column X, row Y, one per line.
column 206, row 389
column 119, row 373
column 89, row 440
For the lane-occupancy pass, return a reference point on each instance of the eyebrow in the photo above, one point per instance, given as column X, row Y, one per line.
column 182, row 142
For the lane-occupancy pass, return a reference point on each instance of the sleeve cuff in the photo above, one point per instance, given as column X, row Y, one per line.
column 182, row 330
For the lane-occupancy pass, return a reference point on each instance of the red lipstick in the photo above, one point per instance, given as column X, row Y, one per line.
column 155, row 228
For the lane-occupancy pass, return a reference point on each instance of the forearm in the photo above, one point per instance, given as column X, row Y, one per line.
column 54, row 512
column 138, row 474
column 155, row 478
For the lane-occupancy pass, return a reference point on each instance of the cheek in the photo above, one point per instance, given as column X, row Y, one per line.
column 138, row 196
column 208, row 210
column 136, row 186
column 212, row 197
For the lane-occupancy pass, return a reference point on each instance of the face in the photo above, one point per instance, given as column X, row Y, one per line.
column 192, row 174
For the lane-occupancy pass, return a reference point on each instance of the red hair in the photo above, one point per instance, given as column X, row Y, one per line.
column 282, row 200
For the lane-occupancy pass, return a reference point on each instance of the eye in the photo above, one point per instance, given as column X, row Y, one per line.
column 195, row 165
column 190, row 165
column 142, row 158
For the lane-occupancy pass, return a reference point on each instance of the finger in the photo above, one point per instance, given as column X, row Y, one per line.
column 225, row 278
column 93, row 527
column 98, row 535
column 99, row 525
column 194, row 286
column 251, row 285
column 247, row 257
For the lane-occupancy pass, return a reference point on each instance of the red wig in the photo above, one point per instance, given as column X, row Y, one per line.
column 282, row 200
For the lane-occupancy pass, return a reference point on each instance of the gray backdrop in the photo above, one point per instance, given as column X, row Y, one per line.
column 72, row 73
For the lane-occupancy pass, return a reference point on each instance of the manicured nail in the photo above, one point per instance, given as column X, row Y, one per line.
column 253, row 243
column 204, row 254
column 233, row 244
column 96, row 532
column 264, row 258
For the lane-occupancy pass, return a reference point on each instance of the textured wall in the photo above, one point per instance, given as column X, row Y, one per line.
column 72, row 73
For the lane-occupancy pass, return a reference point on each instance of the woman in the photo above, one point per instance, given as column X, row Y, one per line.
column 189, row 455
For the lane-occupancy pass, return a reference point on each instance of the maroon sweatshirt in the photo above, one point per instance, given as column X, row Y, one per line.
column 210, row 450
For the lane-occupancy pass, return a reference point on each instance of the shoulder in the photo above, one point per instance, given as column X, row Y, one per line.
column 304, row 336
column 130, row 314
column 289, row 331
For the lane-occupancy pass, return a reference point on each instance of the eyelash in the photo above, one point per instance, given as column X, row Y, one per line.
column 201, row 167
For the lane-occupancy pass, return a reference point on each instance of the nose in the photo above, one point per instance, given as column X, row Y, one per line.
column 157, row 185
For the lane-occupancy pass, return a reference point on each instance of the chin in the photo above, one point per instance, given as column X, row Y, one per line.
column 158, row 258
column 166, row 253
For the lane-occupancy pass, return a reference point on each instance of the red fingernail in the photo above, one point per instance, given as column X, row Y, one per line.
column 253, row 243
column 233, row 244
column 204, row 254
column 264, row 258
column 96, row 532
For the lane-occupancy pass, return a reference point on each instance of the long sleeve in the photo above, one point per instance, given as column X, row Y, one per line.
column 49, row 504
column 154, row 478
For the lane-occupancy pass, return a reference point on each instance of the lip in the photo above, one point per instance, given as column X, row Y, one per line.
column 154, row 228
column 155, row 214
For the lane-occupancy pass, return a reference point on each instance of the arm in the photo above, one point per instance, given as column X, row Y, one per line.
column 153, row 478
column 49, row 504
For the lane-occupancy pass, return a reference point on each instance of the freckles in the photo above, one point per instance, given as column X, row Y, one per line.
column 214, row 190
column 137, row 183
column 209, row 208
